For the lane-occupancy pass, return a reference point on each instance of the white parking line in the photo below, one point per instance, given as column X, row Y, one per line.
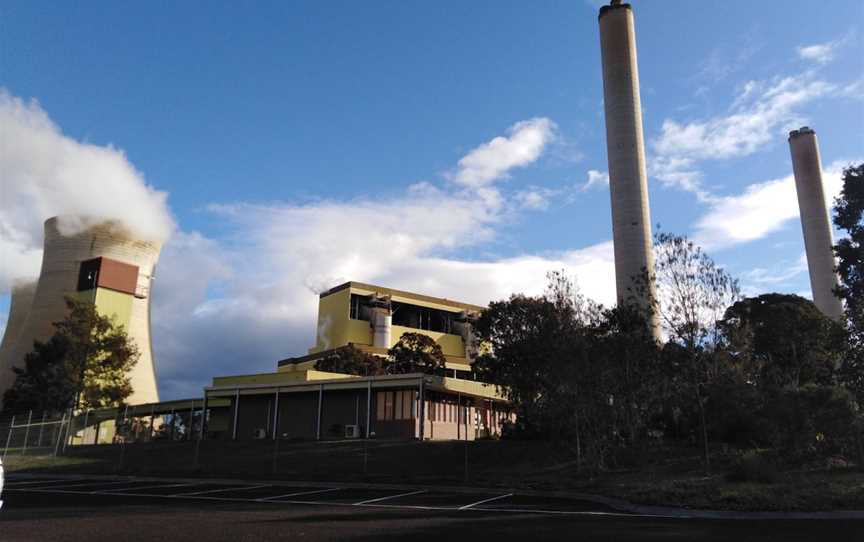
column 16, row 484
column 298, row 494
column 235, row 488
column 473, row 504
column 90, row 483
column 373, row 503
column 160, row 486
column 390, row 497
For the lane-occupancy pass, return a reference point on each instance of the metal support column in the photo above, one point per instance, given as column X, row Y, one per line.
column 459, row 418
column 422, row 408
column 320, row 404
column 236, row 413
column 276, row 416
column 368, row 408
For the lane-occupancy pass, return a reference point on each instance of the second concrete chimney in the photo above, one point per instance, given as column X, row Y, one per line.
column 818, row 241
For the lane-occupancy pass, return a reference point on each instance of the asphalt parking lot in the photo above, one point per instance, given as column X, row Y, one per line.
column 86, row 508
column 327, row 495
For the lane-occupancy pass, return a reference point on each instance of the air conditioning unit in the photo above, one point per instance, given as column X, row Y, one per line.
column 259, row 434
column 352, row 431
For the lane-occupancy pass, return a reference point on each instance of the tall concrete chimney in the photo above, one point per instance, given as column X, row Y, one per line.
column 625, row 149
column 815, row 224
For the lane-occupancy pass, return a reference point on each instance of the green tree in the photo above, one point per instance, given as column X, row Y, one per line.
column 782, row 340
column 415, row 353
column 351, row 360
column 576, row 373
column 692, row 294
column 85, row 364
column 849, row 216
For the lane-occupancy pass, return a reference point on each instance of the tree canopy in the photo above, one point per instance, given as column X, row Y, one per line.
column 415, row 353
column 85, row 364
column 849, row 217
column 351, row 360
column 783, row 340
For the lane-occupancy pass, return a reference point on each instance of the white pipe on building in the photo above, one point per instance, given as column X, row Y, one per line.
column 382, row 324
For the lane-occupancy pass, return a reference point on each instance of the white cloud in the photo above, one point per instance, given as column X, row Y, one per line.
column 536, row 198
column 779, row 276
column 760, row 114
column 761, row 209
column 757, row 118
column 280, row 256
column 237, row 305
column 596, row 179
column 45, row 173
column 823, row 53
column 493, row 160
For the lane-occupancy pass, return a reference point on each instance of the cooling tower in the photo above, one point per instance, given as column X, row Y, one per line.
column 102, row 265
column 628, row 183
column 818, row 242
column 22, row 300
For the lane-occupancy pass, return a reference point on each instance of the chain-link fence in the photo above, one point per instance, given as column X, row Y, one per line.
column 167, row 439
column 51, row 433
column 36, row 433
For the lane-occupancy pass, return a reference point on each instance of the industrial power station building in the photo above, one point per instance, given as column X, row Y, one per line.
column 299, row 402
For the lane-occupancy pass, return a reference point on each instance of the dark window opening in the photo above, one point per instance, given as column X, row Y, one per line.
column 407, row 315
column 414, row 316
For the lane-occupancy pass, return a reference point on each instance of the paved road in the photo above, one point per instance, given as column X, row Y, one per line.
column 140, row 509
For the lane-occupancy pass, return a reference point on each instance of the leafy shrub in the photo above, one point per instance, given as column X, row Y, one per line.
column 754, row 466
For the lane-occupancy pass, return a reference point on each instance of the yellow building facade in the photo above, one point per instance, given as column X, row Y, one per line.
column 299, row 402
column 347, row 314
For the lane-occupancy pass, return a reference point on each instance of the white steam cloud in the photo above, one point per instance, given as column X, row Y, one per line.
column 46, row 173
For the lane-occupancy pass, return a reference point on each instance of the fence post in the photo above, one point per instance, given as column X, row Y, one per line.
column 191, row 419
column 84, row 427
column 152, row 420
column 41, row 428
column 125, row 435
column 69, row 422
column 9, row 437
column 201, row 434
column 236, row 413
column 59, row 434
column 27, row 431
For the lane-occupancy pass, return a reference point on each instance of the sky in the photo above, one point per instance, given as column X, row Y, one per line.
column 455, row 149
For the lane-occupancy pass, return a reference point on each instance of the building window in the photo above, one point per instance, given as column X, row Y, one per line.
column 417, row 317
column 354, row 311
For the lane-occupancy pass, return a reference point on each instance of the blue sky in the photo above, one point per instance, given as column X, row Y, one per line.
column 282, row 147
